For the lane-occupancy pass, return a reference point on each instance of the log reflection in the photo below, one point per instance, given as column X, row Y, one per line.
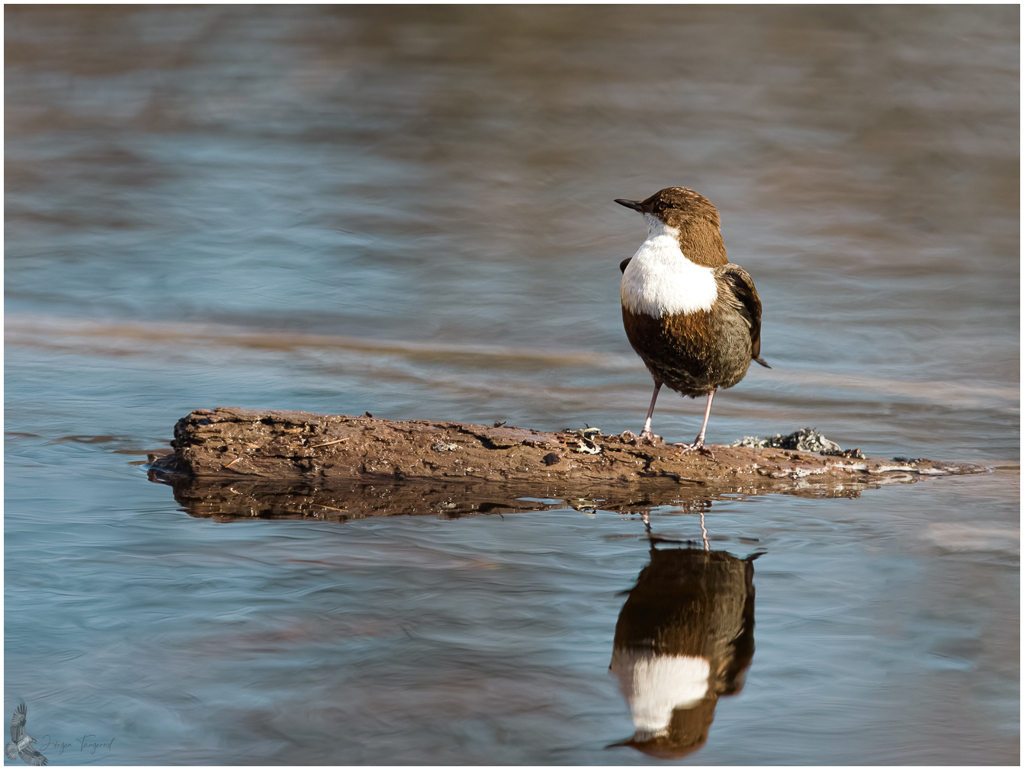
column 684, row 638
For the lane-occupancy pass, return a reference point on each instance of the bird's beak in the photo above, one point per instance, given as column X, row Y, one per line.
column 635, row 205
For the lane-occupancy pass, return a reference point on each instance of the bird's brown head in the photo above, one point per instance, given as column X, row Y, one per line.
column 691, row 216
column 676, row 207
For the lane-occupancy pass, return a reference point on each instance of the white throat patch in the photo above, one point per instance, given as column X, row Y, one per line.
column 661, row 281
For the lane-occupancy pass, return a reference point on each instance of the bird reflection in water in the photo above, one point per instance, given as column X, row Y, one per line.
column 684, row 638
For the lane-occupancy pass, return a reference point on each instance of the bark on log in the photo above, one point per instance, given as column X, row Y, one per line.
column 230, row 463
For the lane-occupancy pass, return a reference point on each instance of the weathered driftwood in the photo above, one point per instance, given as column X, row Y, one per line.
column 233, row 463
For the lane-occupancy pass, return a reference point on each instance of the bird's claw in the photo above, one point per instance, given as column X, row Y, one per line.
column 695, row 447
column 649, row 437
column 645, row 437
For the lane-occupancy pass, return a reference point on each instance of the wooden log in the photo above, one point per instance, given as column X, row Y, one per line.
column 233, row 463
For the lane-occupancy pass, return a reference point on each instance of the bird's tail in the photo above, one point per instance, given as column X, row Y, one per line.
column 11, row 751
column 762, row 362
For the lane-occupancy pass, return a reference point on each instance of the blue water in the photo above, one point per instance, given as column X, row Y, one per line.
column 409, row 212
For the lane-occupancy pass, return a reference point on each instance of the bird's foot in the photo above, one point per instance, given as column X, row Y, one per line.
column 645, row 437
column 649, row 437
column 696, row 446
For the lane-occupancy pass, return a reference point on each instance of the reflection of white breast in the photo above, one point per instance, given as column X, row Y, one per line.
column 655, row 685
column 660, row 280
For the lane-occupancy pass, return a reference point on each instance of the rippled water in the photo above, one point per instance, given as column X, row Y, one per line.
column 409, row 211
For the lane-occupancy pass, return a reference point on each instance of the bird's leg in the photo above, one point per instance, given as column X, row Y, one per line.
column 698, row 443
column 646, row 436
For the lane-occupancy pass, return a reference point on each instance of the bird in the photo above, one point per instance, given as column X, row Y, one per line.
column 22, row 745
column 690, row 314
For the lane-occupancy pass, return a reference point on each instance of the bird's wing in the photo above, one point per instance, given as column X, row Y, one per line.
column 623, row 263
column 744, row 298
column 32, row 757
column 18, row 723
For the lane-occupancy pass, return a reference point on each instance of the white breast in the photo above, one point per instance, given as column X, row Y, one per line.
column 656, row 685
column 660, row 280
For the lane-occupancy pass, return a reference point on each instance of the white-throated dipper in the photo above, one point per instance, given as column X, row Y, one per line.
column 690, row 314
